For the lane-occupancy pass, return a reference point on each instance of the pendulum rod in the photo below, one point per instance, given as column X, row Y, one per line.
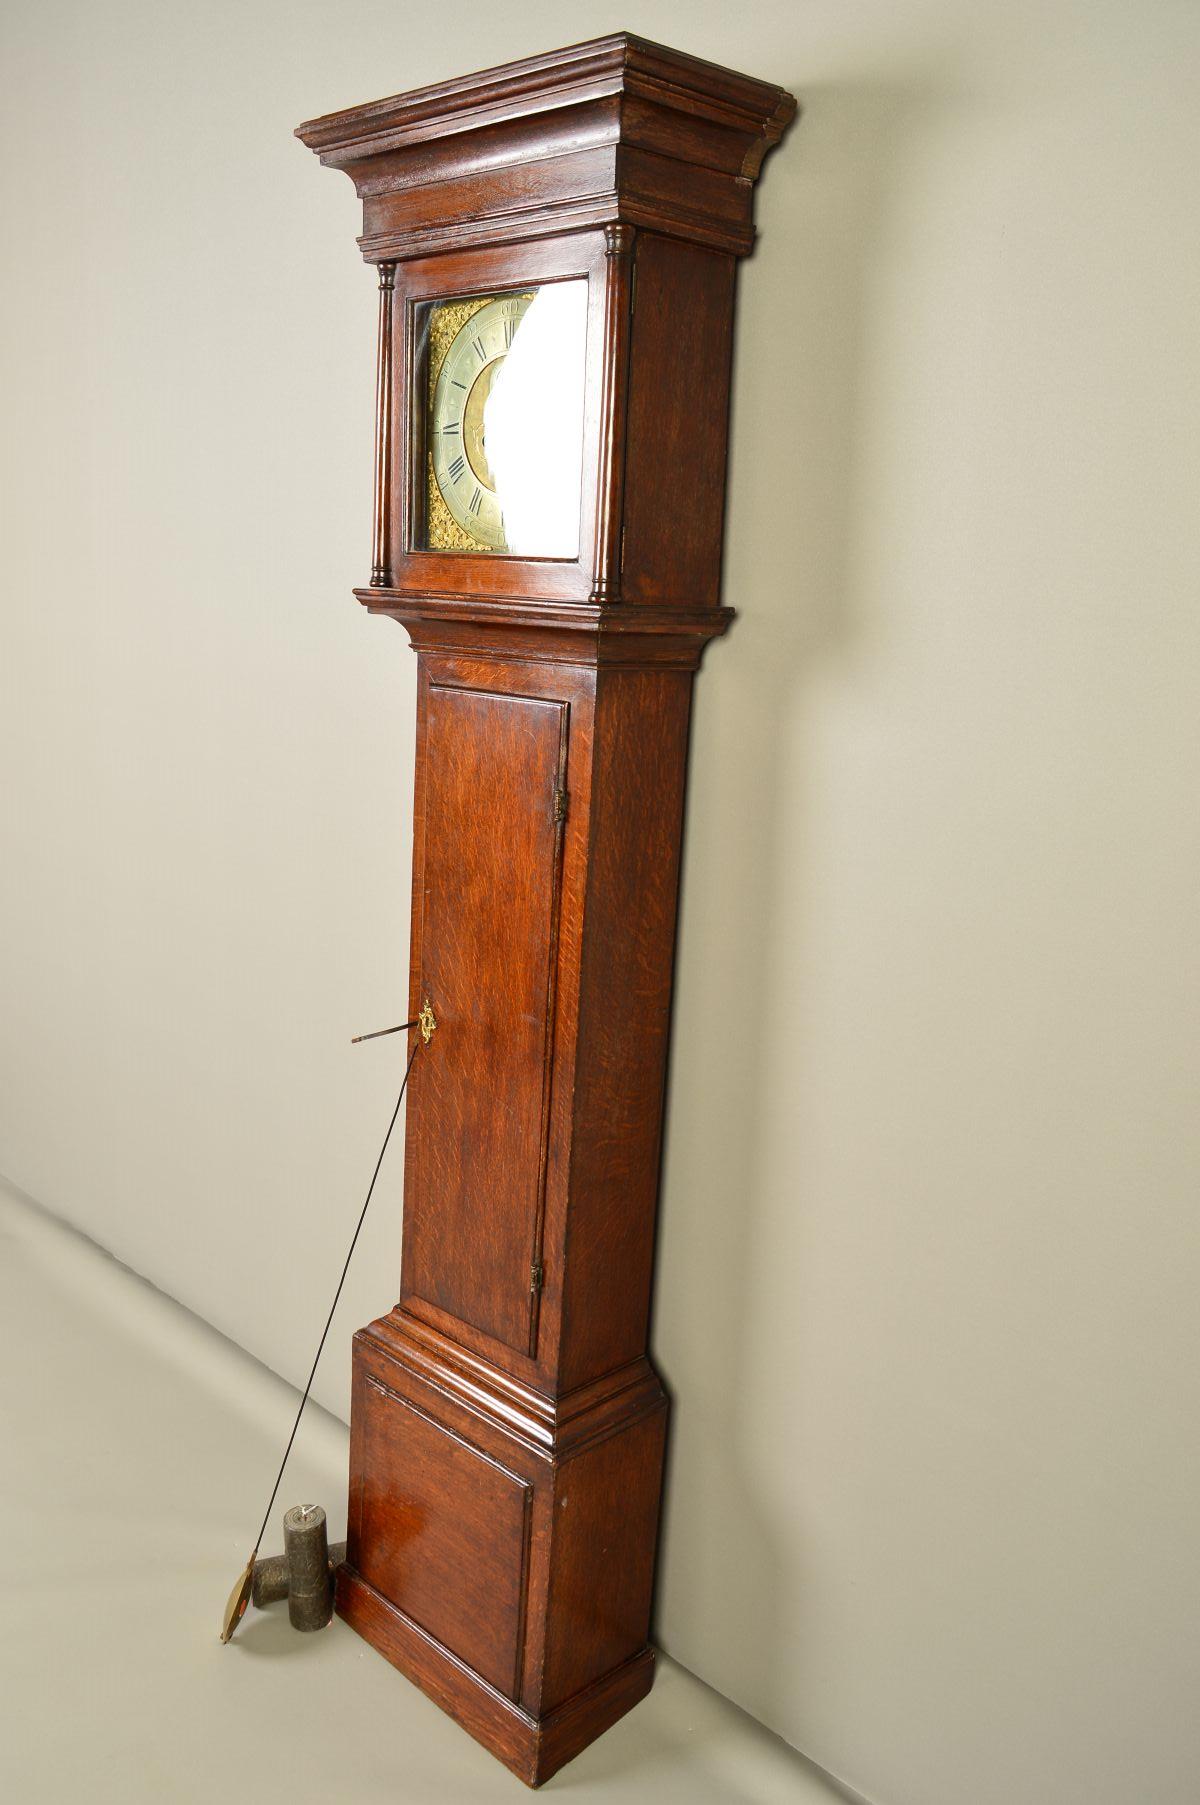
column 240, row 1596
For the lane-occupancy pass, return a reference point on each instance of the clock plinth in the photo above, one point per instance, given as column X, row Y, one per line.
column 508, row 1426
column 502, row 1543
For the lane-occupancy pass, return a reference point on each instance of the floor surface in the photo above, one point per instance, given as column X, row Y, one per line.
column 127, row 1430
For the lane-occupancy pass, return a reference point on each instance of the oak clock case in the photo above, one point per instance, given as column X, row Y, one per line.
column 557, row 243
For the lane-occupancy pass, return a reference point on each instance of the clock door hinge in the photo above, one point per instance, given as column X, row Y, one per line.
column 560, row 804
column 537, row 1276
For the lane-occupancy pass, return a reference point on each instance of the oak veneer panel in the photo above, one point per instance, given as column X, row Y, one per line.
column 682, row 344
column 638, row 777
column 441, row 1531
column 602, row 1558
column 478, row 1097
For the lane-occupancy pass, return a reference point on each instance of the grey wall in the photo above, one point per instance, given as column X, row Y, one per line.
column 929, row 1257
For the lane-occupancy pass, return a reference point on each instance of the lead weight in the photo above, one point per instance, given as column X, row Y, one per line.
column 271, row 1575
column 306, row 1551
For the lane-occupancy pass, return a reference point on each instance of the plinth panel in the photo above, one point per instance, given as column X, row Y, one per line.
column 443, row 1533
column 606, row 1503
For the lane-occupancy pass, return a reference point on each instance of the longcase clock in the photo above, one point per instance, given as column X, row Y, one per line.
column 557, row 243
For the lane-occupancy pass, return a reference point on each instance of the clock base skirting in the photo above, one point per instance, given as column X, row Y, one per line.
column 533, row 1748
column 500, row 1541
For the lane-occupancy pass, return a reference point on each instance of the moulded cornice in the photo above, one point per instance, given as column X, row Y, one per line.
column 618, row 64
column 614, row 129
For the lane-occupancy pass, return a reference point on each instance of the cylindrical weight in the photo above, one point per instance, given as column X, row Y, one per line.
column 306, row 1551
column 271, row 1575
column 270, row 1580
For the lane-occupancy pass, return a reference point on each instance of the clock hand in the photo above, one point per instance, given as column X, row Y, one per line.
column 239, row 1598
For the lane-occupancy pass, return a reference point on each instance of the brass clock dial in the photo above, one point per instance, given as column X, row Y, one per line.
column 464, row 476
column 503, row 433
